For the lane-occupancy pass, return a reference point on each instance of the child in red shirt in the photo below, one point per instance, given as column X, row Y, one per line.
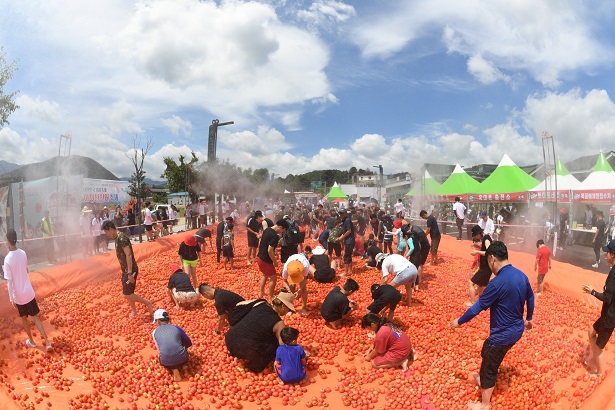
column 476, row 262
column 542, row 264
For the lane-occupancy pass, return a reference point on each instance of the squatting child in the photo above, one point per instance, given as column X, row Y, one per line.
column 290, row 358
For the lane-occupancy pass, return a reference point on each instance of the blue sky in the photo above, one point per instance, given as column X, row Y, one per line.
column 310, row 84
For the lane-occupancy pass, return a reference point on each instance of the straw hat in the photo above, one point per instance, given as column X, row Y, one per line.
column 85, row 210
column 288, row 299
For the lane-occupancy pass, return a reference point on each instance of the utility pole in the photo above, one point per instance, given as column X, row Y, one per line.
column 211, row 155
column 380, row 183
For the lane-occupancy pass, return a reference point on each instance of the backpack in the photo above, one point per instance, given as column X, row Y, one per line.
column 227, row 237
column 293, row 235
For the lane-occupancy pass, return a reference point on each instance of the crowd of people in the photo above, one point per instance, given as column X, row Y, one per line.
column 389, row 243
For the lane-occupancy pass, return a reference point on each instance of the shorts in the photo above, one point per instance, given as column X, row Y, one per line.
column 29, row 309
column 127, row 287
column 541, row 278
column 405, row 276
column 348, row 248
column 334, row 246
column 252, row 240
column 326, row 275
column 186, row 262
column 492, row 358
column 176, row 367
column 435, row 243
column 227, row 252
column 604, row 333
column 266, row 268
column 185, row 297
column 424, row 254
column 481, row 277
column 148, row 228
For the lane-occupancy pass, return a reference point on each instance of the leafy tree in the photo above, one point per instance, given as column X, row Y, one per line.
column 137, row 187
column 177, row 175
column 7, row 105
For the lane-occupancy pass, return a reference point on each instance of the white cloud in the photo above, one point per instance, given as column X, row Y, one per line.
column 327, row 13
column 120, row 117
column 484, row 70
column 38, row 109
column 547, row 40
column 176, row 124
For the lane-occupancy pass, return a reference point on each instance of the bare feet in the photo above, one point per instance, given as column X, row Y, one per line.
column 404, row 365
column 149, row 307
column 176, row 375
column 414, row 355
column 304, row 312
column 477, row 405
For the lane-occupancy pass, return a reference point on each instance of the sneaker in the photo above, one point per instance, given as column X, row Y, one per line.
column 49, row 348
column 30, row 344
column 595, row 265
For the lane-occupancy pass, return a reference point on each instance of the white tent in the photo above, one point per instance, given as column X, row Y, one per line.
column 602, row 177
column 565, row 180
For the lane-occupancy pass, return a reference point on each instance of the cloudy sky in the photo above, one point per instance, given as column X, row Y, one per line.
column 310, row 84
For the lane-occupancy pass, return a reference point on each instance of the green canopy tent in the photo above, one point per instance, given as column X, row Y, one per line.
column 336, row 193
column 507, row 179
column 432, row 187
column 459, row 183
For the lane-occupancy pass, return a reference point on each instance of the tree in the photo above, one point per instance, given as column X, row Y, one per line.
column 137, row 187
column 177, row 175
column 7, row 105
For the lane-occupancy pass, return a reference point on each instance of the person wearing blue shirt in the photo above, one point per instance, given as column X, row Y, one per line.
column 505, row 297
column 172, row 342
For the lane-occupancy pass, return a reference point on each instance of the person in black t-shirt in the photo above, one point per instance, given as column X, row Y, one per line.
column 180, row 288
column 320, row 266
column 266, row 258
column 254, row 227
column 385, row 297
column 348, row 240
column 224, row 301
column 434, row 233
column 371, row 253
column 337, row 305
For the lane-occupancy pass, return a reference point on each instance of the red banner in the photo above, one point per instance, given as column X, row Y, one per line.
column 594, row 196
column 542, row 196
column 505, row 197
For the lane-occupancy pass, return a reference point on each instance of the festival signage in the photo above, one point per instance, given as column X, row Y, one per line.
column 4, row 197
column 104, row 192
column 504, row 197
column 594, row 196
column 549, row 195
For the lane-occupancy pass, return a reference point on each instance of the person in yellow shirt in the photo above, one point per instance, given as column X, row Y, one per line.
column 48, row 233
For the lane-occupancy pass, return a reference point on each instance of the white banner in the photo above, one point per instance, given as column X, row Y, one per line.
column 104, row 192
column 4, row 197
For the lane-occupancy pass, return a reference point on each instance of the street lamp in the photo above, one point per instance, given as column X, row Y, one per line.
column 381, row 177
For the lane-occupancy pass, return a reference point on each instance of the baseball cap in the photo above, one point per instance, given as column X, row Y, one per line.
column 295, row 271
column 160, row 314
column 199, row 239
column 258, row 214
column 343, row 211
column 398, row 223
column 175, row 268
column 483, row 213
column 610, row 247
column 190, row 241
column 380, row 257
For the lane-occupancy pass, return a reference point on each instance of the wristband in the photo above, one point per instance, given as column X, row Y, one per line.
column 593, row 292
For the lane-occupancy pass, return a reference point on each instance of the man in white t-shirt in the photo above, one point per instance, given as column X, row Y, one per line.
column 296, row 271
column 399, row 209
column 460, row 215
column 21, row 293
column 486, row 223
column 148, row 221
column 403, row 271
